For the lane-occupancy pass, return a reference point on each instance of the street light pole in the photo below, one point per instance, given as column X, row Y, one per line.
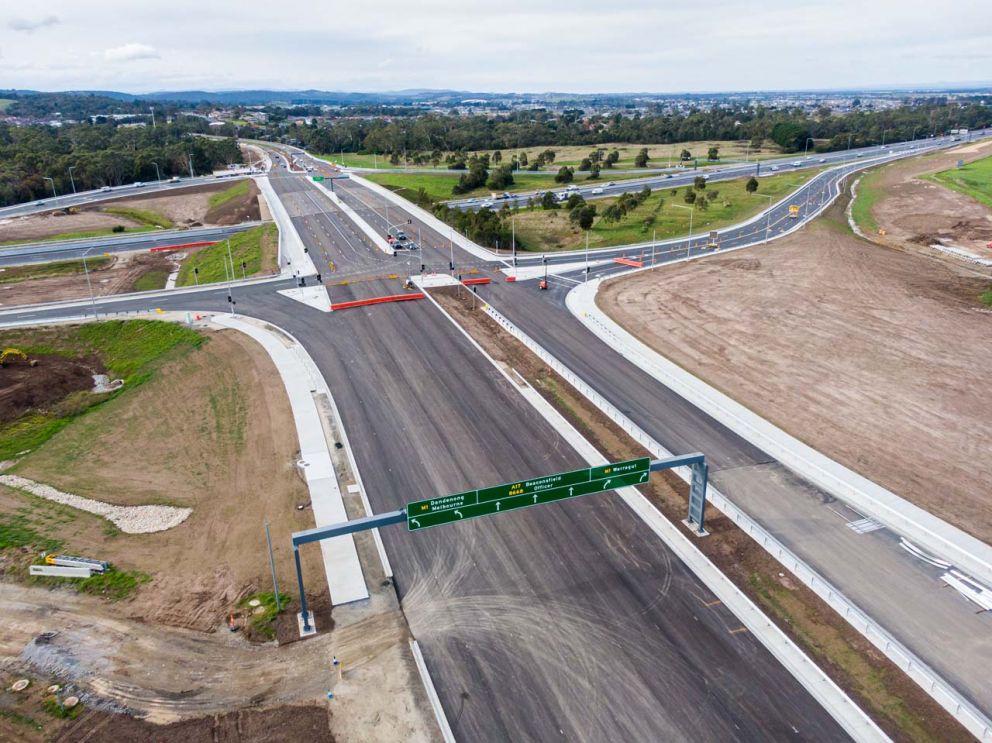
column 692, row 210
column 89, row 284
column 768, row 214
column 158, row 175
column 72, row 180
column 806, row 151
column 513, row 238
column 52, row 181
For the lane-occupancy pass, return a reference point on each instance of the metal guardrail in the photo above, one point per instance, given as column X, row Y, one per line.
column 973, row 719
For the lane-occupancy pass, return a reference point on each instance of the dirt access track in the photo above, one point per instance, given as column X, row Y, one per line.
column 917, row 213
column 188, row 207
column 874, row 356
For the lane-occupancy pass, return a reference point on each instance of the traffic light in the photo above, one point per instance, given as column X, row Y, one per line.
column 306, row 249
column 319, row 280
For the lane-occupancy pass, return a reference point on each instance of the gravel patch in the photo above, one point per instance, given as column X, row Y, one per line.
column 129, row 519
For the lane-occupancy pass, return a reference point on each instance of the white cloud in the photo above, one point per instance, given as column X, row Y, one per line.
column 130, row 52
column 29, row 26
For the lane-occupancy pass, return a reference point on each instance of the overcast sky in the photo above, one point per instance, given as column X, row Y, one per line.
column 508, row 45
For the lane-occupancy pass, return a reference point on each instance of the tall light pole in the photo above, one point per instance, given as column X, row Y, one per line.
column 513, row 238
column 692, row 210
column 158, row 175
column 89, row 285
column 190, row 161
column 768, row 214
column 806, row 151
column 883, row 137
column 71, row 180
column 52, row 181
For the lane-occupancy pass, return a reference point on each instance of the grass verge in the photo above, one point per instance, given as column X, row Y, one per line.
column 145, row 217
column 986, row 298
column 152, row 280
column 238, row 190
column 46, row 270
column 869, row 192
column 973, row 179
column 438, row 186
column 257, row 248
column 128, row 349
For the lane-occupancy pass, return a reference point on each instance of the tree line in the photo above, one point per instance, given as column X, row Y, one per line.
column 425, row 139
column 103, row 155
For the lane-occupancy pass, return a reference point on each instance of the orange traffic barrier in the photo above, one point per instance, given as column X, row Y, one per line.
column 180, row 247
column 376, row 300
column 511, row 278
column 629, row 262
column 482, row 280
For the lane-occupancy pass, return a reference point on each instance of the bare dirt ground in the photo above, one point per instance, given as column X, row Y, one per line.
column 213, row 431
column 119, row 277
column 188, row 207
column 900, row 707
column 917, row 213
column 871, row 355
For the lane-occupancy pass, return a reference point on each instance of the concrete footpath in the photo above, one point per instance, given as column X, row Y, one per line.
column 301, row 379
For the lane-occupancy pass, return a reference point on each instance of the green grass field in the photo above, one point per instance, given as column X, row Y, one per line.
column 974, row 180
column 257, row 248
column 44, row 270
column 868, row 194
column 661, row 155
column 439, row 186
column 129, row 351
column 541, row 230
column 145, row 217
column 151, row 281
column 222, row 197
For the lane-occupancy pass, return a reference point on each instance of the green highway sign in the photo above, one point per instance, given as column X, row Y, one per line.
column 511, row 496
column 318, row 178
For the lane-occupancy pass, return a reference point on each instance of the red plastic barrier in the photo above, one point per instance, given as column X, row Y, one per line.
column 482, row 280
column 180, row 247
column 376, row 300
column 629, row 262
column 511, row 278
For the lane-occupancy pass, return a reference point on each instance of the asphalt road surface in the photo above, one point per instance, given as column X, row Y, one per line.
column 42, row 252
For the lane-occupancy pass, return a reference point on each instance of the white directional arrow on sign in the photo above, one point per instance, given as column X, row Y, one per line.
column 460, row 514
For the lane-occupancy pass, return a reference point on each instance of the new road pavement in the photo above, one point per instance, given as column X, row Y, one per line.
column 88, row 197
column 570, row 621
column 43, row 252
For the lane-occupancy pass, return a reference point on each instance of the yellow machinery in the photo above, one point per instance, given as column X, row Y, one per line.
column 9, row 353
column 714, row 240
column 793, row 211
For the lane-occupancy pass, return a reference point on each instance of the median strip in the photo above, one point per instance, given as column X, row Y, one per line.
column 375, row 300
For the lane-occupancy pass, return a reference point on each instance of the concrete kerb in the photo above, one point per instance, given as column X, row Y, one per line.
column 435, row 700
column 851, row 717
column 975, row 721
column 290, row 245
column 431, row 221
column 378, row 240
column 911, row 521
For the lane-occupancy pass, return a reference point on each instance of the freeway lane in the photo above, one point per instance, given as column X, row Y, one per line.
column 901, row 593
column 89, row 197
column 41, row 252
